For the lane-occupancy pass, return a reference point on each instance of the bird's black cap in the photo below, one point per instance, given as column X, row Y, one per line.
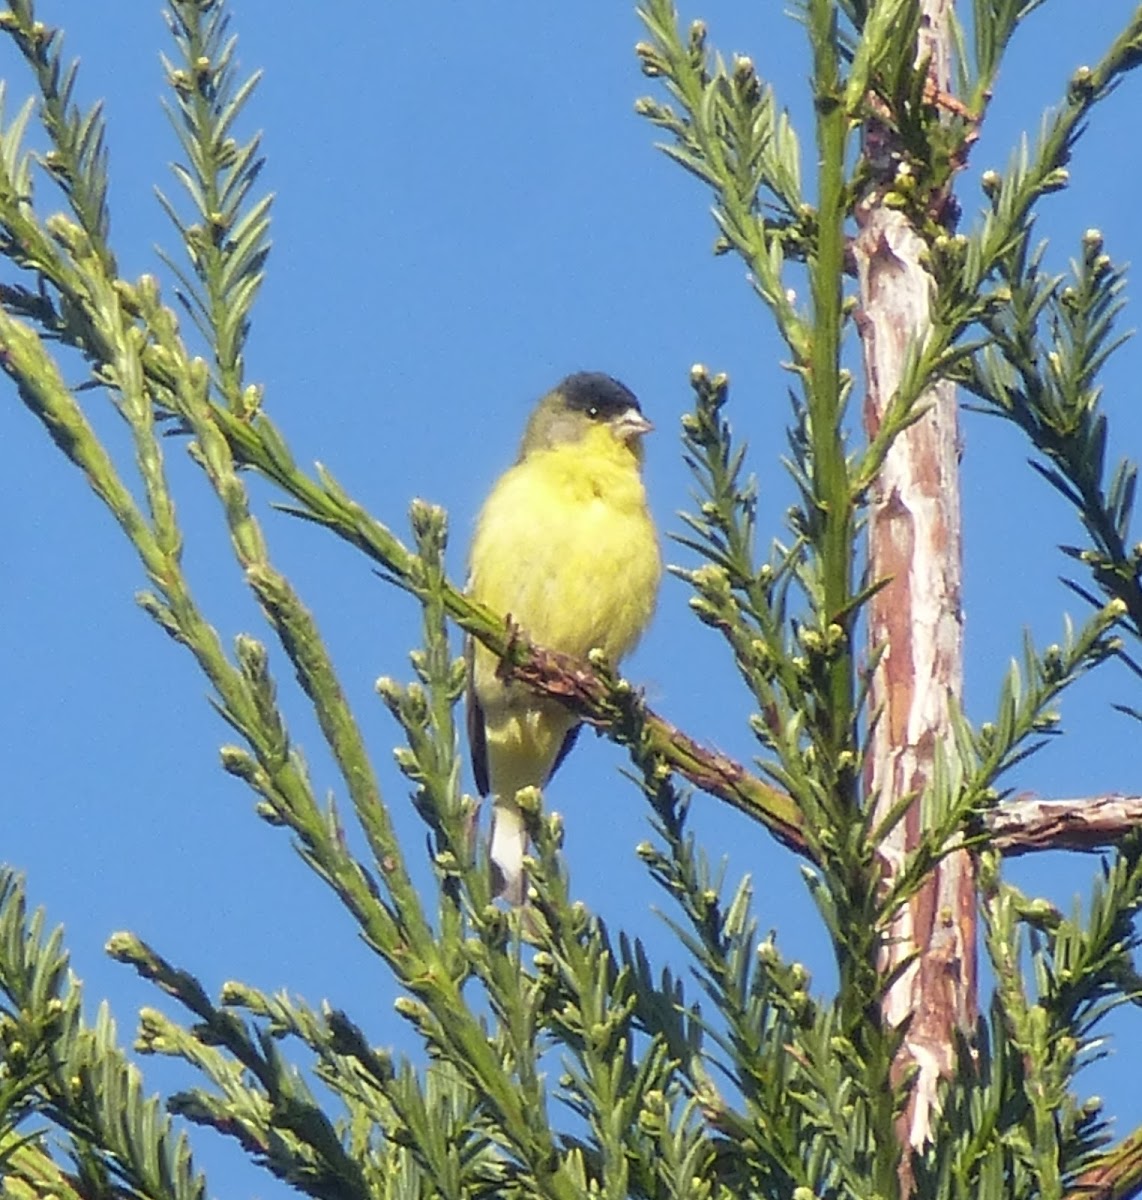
column 586, row 390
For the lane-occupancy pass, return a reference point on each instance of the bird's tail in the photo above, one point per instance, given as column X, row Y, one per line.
column 509, row 845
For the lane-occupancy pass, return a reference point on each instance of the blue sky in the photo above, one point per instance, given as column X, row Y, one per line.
column 467, row 210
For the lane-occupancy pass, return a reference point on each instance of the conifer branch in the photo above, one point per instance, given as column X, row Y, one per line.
column 77, row 1077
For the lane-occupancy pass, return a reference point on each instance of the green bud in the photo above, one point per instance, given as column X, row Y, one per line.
column 238, row 762
column 416, row 703
column 711, row 579
column 427, row 519
column 269, row 814
column 651, row 64
column 1081, row 85
column 233, row 992
column 407, row 761
column 811, row 640
column 252, row 655
column 1040, row 909
column 124, row 947
column 411, row 1010
column 251, row 399
column 529, row 800
column 66, row 232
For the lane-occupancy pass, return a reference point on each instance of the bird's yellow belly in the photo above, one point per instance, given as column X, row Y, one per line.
column 582, row 587
column 570, row 554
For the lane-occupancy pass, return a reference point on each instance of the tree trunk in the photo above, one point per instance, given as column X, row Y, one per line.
column 916, row 622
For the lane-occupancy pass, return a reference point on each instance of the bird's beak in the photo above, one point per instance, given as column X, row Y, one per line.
column 630, row 424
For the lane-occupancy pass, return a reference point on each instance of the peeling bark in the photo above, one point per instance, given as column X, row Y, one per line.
column 916, row 624
column 1090, row 824
column 916, row 621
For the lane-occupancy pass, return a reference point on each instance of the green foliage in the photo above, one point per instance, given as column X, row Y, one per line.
column 227, row 241
column 1014, row 1113
column 555, row 1059
column 1048, row 386
column 60, row 1070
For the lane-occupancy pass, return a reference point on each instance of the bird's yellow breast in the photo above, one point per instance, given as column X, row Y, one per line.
column 566, row 546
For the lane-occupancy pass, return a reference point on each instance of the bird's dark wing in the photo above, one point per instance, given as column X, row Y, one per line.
column 477, row 738
column 564, row 750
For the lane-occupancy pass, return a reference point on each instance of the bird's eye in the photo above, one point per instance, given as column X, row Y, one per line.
column 593, row 411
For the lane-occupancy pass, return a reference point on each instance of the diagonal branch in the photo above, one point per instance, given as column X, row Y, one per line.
column 1025, row 825
column 613, row 705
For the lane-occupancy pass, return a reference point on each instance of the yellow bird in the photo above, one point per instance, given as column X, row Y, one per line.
column 566, row 547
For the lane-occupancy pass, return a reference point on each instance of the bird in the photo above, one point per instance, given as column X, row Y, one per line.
column 566, row 549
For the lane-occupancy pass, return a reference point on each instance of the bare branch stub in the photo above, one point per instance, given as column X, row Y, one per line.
column 1090, row 824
